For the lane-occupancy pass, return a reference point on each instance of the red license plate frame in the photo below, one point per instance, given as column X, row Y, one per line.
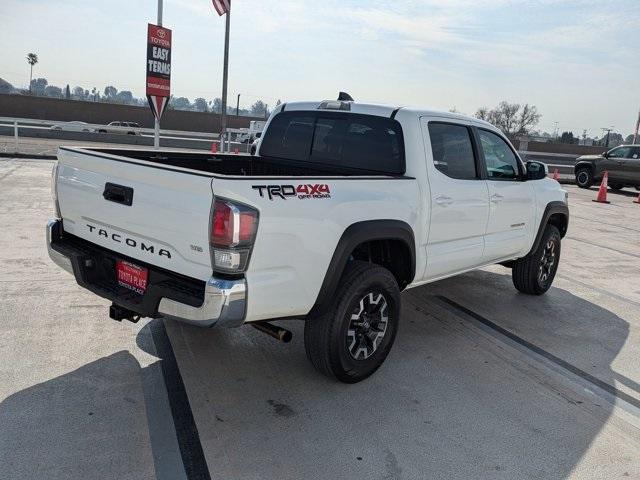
column 132, row 276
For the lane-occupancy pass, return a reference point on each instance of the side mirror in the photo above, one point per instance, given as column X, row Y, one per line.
column 536, row 170
column 605, row 154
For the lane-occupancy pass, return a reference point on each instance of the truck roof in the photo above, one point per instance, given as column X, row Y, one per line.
column 385, row 110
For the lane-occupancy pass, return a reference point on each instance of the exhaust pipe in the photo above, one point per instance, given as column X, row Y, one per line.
column 274, row 331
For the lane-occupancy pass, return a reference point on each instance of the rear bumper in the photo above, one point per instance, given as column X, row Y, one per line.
column 216, row 302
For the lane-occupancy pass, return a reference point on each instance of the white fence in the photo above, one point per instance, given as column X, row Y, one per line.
column 22, row 139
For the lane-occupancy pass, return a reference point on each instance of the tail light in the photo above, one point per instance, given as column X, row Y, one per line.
column 54, row 190
column 233, row 232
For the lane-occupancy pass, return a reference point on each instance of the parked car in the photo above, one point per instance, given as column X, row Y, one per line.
column 346, row 205
column 256, row 144
column 130, row 128
column 74, row 126
column 622, row 164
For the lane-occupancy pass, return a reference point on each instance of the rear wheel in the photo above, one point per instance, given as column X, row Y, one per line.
column 584, row 178
column 352, row 339
column 534, row 273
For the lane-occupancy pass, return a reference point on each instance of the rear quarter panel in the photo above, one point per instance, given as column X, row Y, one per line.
column 297, row 235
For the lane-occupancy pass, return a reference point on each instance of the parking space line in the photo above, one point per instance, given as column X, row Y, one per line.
column 603, row 246
column 601, row 291
column 193, row 459
column 604, row 390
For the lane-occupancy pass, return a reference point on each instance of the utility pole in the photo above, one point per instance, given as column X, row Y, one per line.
column 555, row 130
column 225, row 76
column 238, row 106
column 156, row 132
column 635, row 134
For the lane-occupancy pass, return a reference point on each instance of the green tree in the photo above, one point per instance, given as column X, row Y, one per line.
column 5, row 87
column 67, row 92
column 181, row 103
column 110, row 92
column 38, row 85
column 567, row 137
column 53, row 91
column 32, row 59
column 259, row 109
column 216, row 105
column 200, row 104
column 125, row 97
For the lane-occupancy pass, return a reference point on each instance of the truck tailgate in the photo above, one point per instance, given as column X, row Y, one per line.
column 165, row 222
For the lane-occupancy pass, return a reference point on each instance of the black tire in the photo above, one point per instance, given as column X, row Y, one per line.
column 534, row 273
column 616, row 186
column 340, row 348
column 584, row 178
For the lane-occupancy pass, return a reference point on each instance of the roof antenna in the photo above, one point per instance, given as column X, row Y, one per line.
column 345, row 97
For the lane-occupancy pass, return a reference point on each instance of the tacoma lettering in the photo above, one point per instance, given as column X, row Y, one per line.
column 130, row 242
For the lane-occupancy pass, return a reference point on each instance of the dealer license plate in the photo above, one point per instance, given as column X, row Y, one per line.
column 132, row 276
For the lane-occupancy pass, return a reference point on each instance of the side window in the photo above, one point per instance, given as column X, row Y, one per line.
column 290, row 136
column 620, row 152
column 452, row 150
column 635, row 153
column 501, row 162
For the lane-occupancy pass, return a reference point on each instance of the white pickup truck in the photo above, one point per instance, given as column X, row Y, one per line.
column 345, row 205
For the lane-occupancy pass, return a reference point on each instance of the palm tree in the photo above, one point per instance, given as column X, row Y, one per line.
column 32, row 59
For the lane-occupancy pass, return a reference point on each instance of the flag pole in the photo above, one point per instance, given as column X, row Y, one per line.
column 225, row 76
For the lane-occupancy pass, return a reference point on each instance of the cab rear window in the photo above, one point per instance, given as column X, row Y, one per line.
column 349, row 141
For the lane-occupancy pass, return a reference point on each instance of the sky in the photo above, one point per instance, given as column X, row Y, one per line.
column 578, row 61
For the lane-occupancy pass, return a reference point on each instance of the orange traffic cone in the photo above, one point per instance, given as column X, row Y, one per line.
column 556, row 175
column 236, row 150
column 214, row 147
column 602, row 191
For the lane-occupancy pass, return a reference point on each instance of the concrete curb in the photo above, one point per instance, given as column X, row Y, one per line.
column 35, row 156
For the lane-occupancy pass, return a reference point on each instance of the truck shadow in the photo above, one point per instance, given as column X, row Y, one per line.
column 88, row 423
column 447, row 403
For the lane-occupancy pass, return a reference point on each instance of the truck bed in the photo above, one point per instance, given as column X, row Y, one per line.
column 229, row 164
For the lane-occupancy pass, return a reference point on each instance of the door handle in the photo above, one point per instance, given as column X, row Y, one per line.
column 118, row 194
column 496, row 197
column 444, row 200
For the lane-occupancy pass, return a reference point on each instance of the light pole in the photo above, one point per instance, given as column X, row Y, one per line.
column 156, row 133
column 225, row 76
column 238, row 106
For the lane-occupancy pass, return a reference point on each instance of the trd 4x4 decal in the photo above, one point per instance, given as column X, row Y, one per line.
column 303, row 191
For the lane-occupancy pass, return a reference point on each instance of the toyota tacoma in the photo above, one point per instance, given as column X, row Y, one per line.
column 343, row 206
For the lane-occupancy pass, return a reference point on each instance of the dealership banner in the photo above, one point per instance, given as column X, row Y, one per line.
column 158, row 68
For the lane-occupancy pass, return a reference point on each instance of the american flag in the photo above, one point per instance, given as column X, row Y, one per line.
column 222, row 6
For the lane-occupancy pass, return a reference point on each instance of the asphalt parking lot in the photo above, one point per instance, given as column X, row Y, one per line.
column 482, row 382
